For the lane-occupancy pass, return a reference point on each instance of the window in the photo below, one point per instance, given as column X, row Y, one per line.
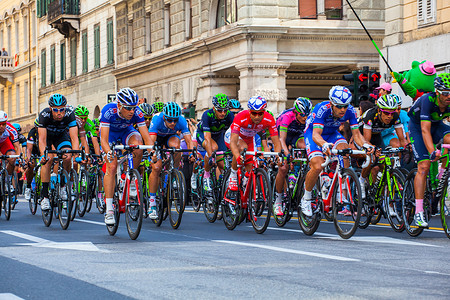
column 33, row 28
column 2, row 99
column 10, row 100
column 167, row 25
column 307, row 9
column 226, row 12
column 333, row 9
column 96, row 46
column 148, row 33
column 26, row 103
column 73, row 56
column 8, row 49
column 110, row 41
column 188, row 18
column 25, row 33
column 17, row 100
column 43, row 68
column 52, row 64
column 34, row 94
column 17, row 38
column 426, row 12
column 84, row 52
column 41, row 8
column 1, row 38
column 63, row 61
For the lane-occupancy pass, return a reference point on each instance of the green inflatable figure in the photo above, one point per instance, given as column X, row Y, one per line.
column 417, row 81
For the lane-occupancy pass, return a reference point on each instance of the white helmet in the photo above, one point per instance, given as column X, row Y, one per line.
column 340, row 95
column 3, row 116
column 388, row 101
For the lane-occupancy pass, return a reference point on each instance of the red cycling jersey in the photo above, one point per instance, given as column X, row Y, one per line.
column 244, row 126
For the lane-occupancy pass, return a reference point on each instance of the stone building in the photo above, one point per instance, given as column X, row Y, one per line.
column 416, row 30
column 76, row 51
column 18, row 84
column 189, row 50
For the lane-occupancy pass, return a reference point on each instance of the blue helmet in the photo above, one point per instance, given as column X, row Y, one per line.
column 127, row 96
column 303, row 105
column 17, row 127
column 171, row 110
column 340, row 95
column 257, row 103
column 235, row 104
column 57, row 100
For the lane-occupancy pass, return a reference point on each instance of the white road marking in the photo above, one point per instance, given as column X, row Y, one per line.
column 43, row 243
column 90, row 222
column 285, row 250
column 9, row 296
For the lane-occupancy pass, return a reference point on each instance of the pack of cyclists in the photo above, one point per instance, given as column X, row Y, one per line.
column 228, row 127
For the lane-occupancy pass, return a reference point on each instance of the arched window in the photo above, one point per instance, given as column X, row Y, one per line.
column 96, row 111
column 226, row 12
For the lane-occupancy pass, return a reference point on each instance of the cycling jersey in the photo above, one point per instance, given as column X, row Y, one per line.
column 244, row 126
column 426, row 109
column 33, row 139
column 22, row 140
column 158, row 126
column 89, row 127
column 322, row 117
column 9, row 133
column 111, row 118
column 287, row 122
column 211, row 124
column 53, row 127
column 372, row 121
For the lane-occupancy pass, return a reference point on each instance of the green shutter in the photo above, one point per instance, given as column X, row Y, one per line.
column 97, row 47
column 43, row 68
column 84, row 47
column 110, row 42
column 63, row 61
column 52, row 64
column 73, row 57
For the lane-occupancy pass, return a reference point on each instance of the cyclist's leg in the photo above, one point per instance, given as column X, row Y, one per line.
column 63, row 142
column 134, row 138
column 174, row 141
column 204, row 143
column 7, row 148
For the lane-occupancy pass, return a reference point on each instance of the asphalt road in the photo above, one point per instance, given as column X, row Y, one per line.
column 203, row 261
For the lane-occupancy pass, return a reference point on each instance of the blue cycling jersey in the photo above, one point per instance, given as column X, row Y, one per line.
column 110, row 117
column 158, row 126
column 322, row 117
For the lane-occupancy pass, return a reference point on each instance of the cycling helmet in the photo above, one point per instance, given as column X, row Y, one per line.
column 399, row 100
column 235, row 104
column 17, row 127
column 127, row 96
column 172, row 110
column 96, row 122
column 147, row 109
column 340, row 95
column 388, row 102
column 303, row 105
column 442, row 82
column 81, row 110
column 57, row 100
column 3, row 116
column 220, row 101
column 257, row 103
column 158, row 107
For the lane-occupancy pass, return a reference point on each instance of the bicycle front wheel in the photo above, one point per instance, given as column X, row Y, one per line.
column 231, row 205
column 260, row 198
column 347, row 205
column 83, row 192
column 197, row 194
column 14, row 194
column 64, row 205
column 444, row 203
column 175, row 198
column 74, row 193
column 100, row 192
column 409, row 205
column 210, row 203
column 112, row 229
column 309, row 225
column 393, row 201
column 134, row 207
column 35, row 195
column 6, row 190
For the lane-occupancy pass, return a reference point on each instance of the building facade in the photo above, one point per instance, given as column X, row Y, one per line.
column 416, row 30
column 18, row 81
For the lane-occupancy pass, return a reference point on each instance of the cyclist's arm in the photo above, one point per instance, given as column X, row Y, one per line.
column 73, row 133
column 42, row 133
column 358, row 137
column 143, row 130
column 401, row 136
column 283, row 136
column 317, row 137
column 367, row 134
column 104, row 137
column 188, row 140
column 17, row 147
column 96, row 145
column 426, row 134
column 276, row 143
column 29, row 150
column 234, row 138
column 84, row 142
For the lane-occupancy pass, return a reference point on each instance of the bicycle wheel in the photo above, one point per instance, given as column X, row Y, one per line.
column 100, row 192
column 367, row 205
column 8, row 198
column 394, row 199
column 377, row 214
column 74, row 193
column 145, row 193
column 197, row 194
column 175, row 198
column 409, row 205
column 83, row 192
column 210, row 206
column 134, row 205
column 285, row 203
column 35, row 195
column 444, row 205
column 15, row 193
column 92, row 183
column 64, row 206
column 112, row 229
column 259, row 201
column 309, row 225
column 347, row 207
column 231, row 204
column 160, row 200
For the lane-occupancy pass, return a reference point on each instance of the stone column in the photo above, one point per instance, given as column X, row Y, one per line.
column 211, row 84
column 264, row 79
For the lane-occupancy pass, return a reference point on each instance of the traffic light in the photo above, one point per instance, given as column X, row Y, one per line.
column 362, row 85
column 374, row 80
column 352, row 78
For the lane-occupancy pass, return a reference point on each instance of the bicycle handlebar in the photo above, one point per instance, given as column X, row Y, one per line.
column 65, row 151
column 345, row 152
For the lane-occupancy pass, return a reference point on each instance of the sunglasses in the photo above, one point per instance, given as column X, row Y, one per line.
column 341, row 106
column 83, row 117
column 444, row 93
column 387, row 112
column 129, row 108
column 254, row 113
column 2, row 123
column 301, row 114
column 56, row 110
column 222, row 110
column 171, row 120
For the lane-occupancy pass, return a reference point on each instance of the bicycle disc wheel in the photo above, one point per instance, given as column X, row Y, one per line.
column 309, row 225
column 210, row 206
column 83, row 192
column 347, row 207
column 15, row 193
column 100, row 192
column 175, row 198
column 64, row 206
column 409, row 205
column 444, row 205
column 231, row 208
column 74, row 193
column 134, row 205
column 112, row 229
column 394, row 200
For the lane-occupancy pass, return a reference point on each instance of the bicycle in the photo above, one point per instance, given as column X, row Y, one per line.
column 59, row 182
column 253, row 199
column 343, row 192
column 128, row 196
column 96, row 189
column 145, row 182
column 385, row 191
column 7, row 197
column 36, row 187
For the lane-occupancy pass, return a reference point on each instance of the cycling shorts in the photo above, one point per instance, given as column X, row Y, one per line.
column 6, row 146
column 123, row 136
column 218, row 138
column 59, row 141
column 438, row 131
column 387, row 138
column 292, row 140
column 313, row 150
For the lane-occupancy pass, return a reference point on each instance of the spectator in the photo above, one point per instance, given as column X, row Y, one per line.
column 4, row 53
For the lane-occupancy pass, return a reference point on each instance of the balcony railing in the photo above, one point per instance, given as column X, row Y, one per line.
column 6, row 63
column 57, row 8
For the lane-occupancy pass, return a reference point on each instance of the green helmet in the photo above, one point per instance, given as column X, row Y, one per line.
column 221, row 101
column 96, row 122
column 158, row 106
column 442, row 82
column 81, row 110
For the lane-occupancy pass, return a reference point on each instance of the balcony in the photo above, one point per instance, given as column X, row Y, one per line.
column 64, row 15
column 6, row 69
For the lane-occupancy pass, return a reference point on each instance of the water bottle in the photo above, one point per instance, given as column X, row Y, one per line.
column 121, row 182
column 245, row 179
column 33, row 184
column 194, row 181
column 53, row 180
column 326, row 182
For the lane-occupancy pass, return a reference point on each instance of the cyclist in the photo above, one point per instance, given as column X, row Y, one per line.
column 210, row 134
column 163, row 130
column 235, row 106
column 389, row 133
column 116, row 126
column 22, row 138
column 94, row 137
column 426, row 128
column 9, row 142
column 32, row 150
column 148, row 111
column 58, row 128
column 321, row 135
column 86, row 128
column 158, row 107
column 243, row 130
